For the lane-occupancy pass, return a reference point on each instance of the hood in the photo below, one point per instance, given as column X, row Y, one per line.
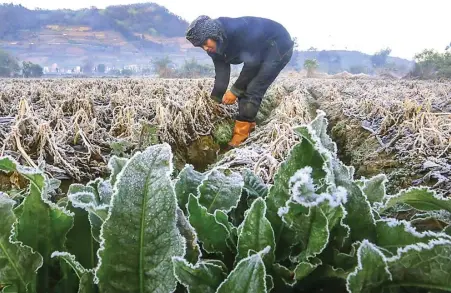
column 203, row 28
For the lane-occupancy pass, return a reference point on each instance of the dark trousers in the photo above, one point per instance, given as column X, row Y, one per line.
column 270, row 68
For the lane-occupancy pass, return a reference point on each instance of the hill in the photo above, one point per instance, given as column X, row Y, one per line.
column 114, row 34
column 126, row 35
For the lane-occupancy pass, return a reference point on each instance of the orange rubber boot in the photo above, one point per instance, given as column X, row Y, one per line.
column 241, row 132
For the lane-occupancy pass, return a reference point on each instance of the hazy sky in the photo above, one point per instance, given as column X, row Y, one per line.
column 365, row 25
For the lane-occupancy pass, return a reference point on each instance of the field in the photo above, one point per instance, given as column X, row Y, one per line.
column 119, row 185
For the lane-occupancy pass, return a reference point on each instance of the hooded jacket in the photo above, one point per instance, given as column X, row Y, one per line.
column 239, row 40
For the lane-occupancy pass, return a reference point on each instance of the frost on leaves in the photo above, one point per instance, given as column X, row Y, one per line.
column 140, row 236
column 18, row 262
column 249, row 275
column 188, row 181
column 256, row 233
column 420, row 198
column 221, row 190
column 204, row 277
column 371, row 271
column 193, row 252
column 211, row 233
column 425, row 265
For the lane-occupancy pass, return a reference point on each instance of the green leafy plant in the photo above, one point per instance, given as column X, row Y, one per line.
column 140, row 230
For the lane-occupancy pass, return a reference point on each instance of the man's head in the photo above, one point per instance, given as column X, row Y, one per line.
column 205, row 32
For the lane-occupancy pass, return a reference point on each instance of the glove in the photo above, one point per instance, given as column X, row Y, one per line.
column 229, row 98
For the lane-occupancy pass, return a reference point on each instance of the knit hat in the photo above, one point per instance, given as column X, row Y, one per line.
column 203, row 28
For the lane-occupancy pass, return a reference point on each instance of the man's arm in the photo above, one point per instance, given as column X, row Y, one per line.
column 222, row 79
column 248, row 72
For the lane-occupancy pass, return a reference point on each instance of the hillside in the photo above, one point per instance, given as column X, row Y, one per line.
column 127, row 35
column 114, row 34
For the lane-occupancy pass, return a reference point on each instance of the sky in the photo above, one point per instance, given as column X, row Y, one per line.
column 407, row 27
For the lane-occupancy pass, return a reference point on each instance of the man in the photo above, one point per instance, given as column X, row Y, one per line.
column 263, row 45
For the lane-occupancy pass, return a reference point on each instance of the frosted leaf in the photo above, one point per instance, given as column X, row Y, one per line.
column 319, row 126
column 187, row 182
column 116, row 164
column 54, row 220
column 393, row 234
column 256, row 233
column 302, row 155
column 371, row 271
column 254, row 185
column 311, row 229
column 204, row 277
column 143, row 212
column 303, row 269
column 374, row 188
column 212, row 234
column 85, row 277
column 420, row 198
column 19, row 262
column 193, row 252
column 221, row 190
column 249, row 275
column 303, row 190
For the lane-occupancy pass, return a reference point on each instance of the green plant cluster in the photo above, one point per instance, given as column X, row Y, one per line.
column 141, row 230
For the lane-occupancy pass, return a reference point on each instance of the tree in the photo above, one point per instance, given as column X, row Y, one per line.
column 379, row 59
column 8, row 65
column 432, row 64
column 311, row 65
column 162, row 67
column 193, row 69
column 101, row 68
column 30, row 69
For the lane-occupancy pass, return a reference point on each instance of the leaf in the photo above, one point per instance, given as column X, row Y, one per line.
column 359, row 214
column 9, row 164
column 302, row 155
column 212, row 234
column 187, row 182
column 311, row 228
column 116, row 164
column 393, row 234
column 256, row 233
column 43, row 225
column 319, row 126
column 282, row 276
column 249, row 275
column 422, row 265
column 254, row 185
column 204, row 277
column 222, row 218
column 420, row 198
column 140, row 236
column 85, row 277
column 103, row 191
column 88, row 198
column 374, row 188
column 221, row 190
column 193, row 252
column 371, row 272
column 304, row 269
column 269, row 283
column 18, row 262
column 80, row 241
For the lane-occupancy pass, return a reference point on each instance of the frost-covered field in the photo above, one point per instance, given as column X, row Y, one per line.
column 74, row 125
column 282, row 213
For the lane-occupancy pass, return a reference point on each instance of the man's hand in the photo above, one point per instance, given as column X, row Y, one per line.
column 229, row 98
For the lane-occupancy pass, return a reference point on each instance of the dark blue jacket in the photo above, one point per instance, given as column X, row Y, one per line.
column 247, row 40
